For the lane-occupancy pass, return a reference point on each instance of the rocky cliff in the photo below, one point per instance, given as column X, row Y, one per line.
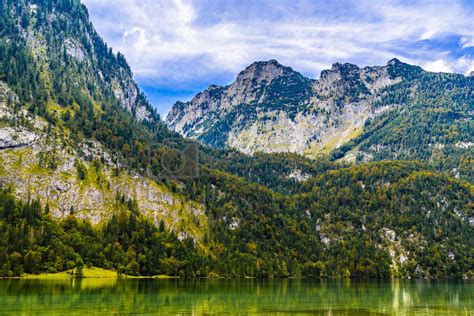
column 271, row 108
column 40, row 161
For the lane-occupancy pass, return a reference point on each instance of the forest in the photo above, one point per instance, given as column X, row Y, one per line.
column 407, row 218
column 345, row 223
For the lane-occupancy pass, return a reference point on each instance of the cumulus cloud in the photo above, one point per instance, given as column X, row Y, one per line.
column 466, row 63
column 187, row 45
column 437, row 66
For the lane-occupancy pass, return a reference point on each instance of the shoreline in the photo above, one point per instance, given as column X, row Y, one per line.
column 88, row 273
column 100, row 273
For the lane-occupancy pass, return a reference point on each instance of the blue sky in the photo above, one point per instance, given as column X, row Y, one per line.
column 177, row 48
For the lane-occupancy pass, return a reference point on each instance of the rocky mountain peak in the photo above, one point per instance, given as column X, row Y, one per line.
column 262, row 71
column 344, row 67
column 339, row 71
column 397, row 68
column 393, row 62
column 252, row 84
column 265, row 63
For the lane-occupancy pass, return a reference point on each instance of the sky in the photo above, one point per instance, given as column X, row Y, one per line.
column 177, row 48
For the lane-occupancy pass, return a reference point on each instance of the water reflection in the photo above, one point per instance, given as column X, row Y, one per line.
column 199, row 297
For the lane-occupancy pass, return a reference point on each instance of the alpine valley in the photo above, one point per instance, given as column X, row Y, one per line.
column 364, row 172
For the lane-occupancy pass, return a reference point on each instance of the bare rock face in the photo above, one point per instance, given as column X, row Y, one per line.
column 74, row 49
column 272, row 108
column 7, row 98
column 245, row 89
column 38, row 162
column 192, row 118
column 14, row 136
column 127, row 91
column 11, row 137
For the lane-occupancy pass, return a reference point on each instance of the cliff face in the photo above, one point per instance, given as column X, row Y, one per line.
column 271, row 108
column 60, row 40
column 59, row 84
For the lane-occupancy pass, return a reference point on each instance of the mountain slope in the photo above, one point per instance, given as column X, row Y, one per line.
column 345, row 103
column 214, row 114
column 39, row 161
column 65, row 62
column 434, row 122
column 73, row 123
column 85, row 178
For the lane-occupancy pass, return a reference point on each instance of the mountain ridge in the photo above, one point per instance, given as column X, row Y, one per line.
column 327, row 115
column 45, row 32
column 294, row 95
column 85, row 181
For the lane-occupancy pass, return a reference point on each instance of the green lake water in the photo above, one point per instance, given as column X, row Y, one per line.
column 236, row 297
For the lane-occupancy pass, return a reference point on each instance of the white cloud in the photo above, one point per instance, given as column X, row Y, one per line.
column 137, row 36
column 467, row 42
column 465, row 63
column 437, row 66
column 180, row 41
column 185, row 11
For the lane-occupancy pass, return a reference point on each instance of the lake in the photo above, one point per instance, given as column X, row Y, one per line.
column 240, row 297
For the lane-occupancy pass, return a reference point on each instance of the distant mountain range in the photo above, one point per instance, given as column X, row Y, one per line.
column 396, row 111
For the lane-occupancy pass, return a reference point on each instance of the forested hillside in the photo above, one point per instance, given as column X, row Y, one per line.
column 60, row 68
column 433, row 122
column 377, row 220
column 52, row 56
column 87, row 173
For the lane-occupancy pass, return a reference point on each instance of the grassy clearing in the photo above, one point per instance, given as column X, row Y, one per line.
column 337, row 139
column 90, row 273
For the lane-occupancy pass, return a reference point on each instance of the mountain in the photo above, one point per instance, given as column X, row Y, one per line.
column 396, row 111
column 216, row 114
column 75, row 118
column 88, row 174
column 58, row 45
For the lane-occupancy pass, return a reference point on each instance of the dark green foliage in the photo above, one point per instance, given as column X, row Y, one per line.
column 261, row 223
column 33, row 242
column 430, row 120
column 339, row 226
column 81, row 169
column 338, row 220
column 287, row 92
column 271, row 170
column 406, row 199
